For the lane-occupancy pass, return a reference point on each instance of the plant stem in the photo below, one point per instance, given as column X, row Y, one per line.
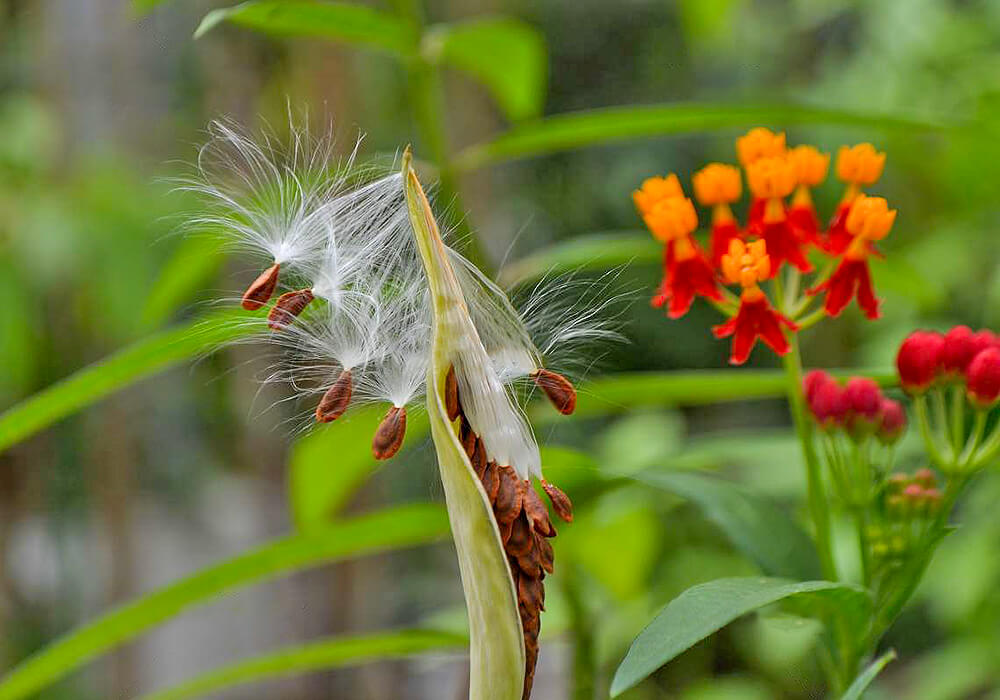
column 818, row 507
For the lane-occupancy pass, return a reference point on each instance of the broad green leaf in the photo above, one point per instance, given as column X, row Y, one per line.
column 506, row 55
column 327, row 654
column 496, row 653
column 756, row 526
column 563, row 132
column 704, row 609
column 861, row 683
column 394, row 528
column 338, row 21
column 193, row 261
column 616, row 393
column 135, row 362
column 598, row 251
column 329, row 464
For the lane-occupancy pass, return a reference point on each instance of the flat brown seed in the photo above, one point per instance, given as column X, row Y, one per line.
column 491, row 481
column 532, row 625
column 390, row 433
column 530, row 564
column 479, row 459
column 560, row 501
column 537, row 511
column 559, row 390
column 520, row 540
column 451, row 394
column 336, row 399
column 261, row 289
column 288, row 306
column 546, row 557
column 531, row 593
column 505, row 529
column 508, row 502
column 467, row 437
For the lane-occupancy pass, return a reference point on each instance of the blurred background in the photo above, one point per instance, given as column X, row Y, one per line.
column 100, row 102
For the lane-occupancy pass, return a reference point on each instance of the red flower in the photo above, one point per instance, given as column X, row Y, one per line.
column 691, row 275
column 783, row 243
column 663, row 293
column 869, row 220
column 918, row 360
column 771, row 180
column 838, row 239
column 984, row 378
column 722, row 233
column 749, row 264
column 810, row 168
column 805, row 223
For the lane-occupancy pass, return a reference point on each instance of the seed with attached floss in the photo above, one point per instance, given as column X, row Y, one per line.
column 559, row 390
column 336, row 399
column 288, row 306
column 389, row 435
column 261, row 289
column 536, row 510
column 451, row 394
column 560, row 501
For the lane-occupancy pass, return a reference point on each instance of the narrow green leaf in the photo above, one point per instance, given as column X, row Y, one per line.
column 598, row 251
column 496, row 642
column 756, row 526
column 563, row 132
column 704, row 609
column 193, row 261
column 394, row 528
column 329, row 464
column 616, row 393
column 866, row 677
column 327, row 654
column 506, row 55
column 355, row 24
column 135, row 362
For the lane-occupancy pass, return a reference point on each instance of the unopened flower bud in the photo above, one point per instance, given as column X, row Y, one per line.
column 829, row 405
column 959, row 347
column 925, row 477
column 864, row 403
column 918, row 360
column 893, row 422
column 983, row 378
column 811, row 383
column 897, row 482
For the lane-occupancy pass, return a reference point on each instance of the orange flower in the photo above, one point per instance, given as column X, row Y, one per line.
column 810, row 168
column 759, row 143
column 771, row 180
column 654, row 190
column 671, row 218
column 748, row 265
column 718, row 185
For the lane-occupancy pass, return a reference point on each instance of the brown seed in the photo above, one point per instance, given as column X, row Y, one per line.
column 389, row 435
column 508, row 502
column 537, row 511
column 520, row 540
column 559, row 390
column 451, row 394
column 546, row 557
column 479, row 459
column 530, row 563
column 530, row 660
column 491, row 480
column 467, row 437
column 505, row 529
column 532, row 625
column 288, row 306
column 261, row 289
column 336, row 399
column 531, row 593
column 560, row 501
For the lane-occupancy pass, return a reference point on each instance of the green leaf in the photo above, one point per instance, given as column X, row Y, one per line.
column 394, row 528
column 354, row 24
column 573, row 130
column 704, row 609
column 329, row 464
column 135, row 362
column 617, row 393
column 193, row 261
column 866, row 677
column 598, row 251
column 496, row 642
column 337, row 652
column 506, row 55
column 756, row 526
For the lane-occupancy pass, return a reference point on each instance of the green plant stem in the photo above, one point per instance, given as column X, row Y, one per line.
column 818, row 507
column 957, row 420
column 927, row 432
column 941, row 418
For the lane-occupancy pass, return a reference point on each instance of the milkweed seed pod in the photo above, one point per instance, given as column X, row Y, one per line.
column 372, row 306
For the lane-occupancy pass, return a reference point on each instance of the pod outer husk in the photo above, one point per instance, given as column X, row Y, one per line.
column 496, row 654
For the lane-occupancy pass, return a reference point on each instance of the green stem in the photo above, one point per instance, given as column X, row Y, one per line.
column 927, row 433
column 818, row 507
column 957, row 420
column 975, row 438
column 941, row 418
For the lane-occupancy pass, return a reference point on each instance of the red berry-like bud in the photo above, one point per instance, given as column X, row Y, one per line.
column 829, row 405
column 812, row 382
column 864, row 404
column 918, row 360
column 893, row 423
column 957, row 350
column 983, row 378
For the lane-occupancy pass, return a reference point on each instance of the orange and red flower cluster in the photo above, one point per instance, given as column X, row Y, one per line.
column 859, row 407
column 927, row 358
column 782, row 226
